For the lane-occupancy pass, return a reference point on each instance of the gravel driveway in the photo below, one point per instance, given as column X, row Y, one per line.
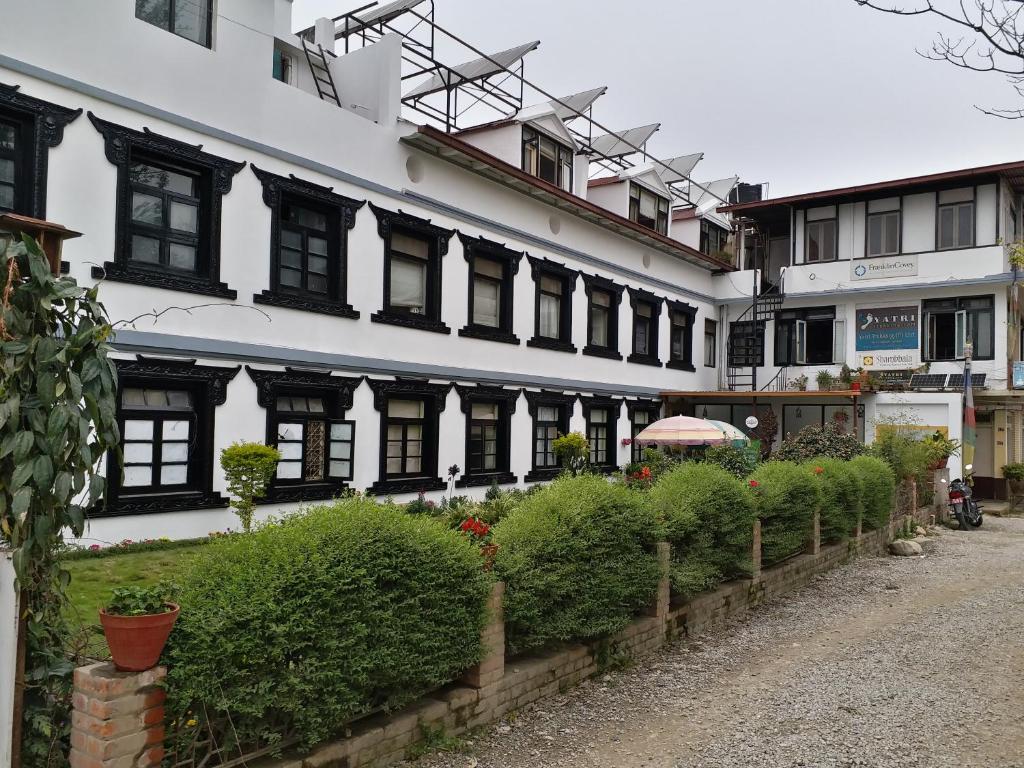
column 883, row 662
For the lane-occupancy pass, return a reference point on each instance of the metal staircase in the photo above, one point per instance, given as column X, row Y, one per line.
column 321, row 71
column 745, row 350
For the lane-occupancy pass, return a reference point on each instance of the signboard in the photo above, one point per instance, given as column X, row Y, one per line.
column 887, row 337
column 1018, row 374
column 751, row 422
column 885, row 266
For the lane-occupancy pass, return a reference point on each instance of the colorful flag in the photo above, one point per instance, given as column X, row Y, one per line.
column 970, row 432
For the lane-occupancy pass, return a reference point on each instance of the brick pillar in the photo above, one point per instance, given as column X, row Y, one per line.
column 814, row 538
column 659, row 608
column 492, row 666
column 755, row 551
column 117, row 719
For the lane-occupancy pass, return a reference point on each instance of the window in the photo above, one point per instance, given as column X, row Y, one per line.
column 313, row 448
column 186, row 18
column 488, row 420
column 641, row 414
column 713, row 238
column 821, row 240
column 646, row 311
column 551, row 412
column 681, row 321
column 168, row 211
column 166, row 417
column 746, row 344
column 413, row 250
column 547, row 159
column 309, row 245
column 648, row 209
column 282, row 66
column 492, row 271
column 955, row 219
column 951, row 324
column 710, row 343
column 601, row 414
column 410, row 411
column 809, row 337
column 883, row 234
column 553, row 325
column 603, row 298
column 28, row 129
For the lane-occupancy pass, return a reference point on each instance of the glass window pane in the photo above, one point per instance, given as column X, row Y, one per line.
column 394, row 449
column 291, row 258
column 146, row 209
column 341, row 431
column 135, row 429
column 136, row 476
column 892, row 235
column 154, row 11
column 179, row 399
column 547, row 413
column 317, row 284
column 145, row 249
column 341, row 469
column 174, row 452
column 290, row 450
column 414, row 432
column 138, row 453
column 183, row 256
column 292, row 278
column 488, row 267
column 414, row 448
column 409, row 245
column 289, row 431
column 132, row 397
column 184, row 217
column 485, row 411
column 317, row 265
column 318, row 246
column 599, row 415
column 161, row 178
column 486, row 302
column 874, row 235
column 405, row 409
column 408, row 285
column 341, row 450
column 176, row 430
column 965, row 225
column 305, row 217
column 394, row 467
column 6, row 197
column 412, row 465
column 289, row 470
column 548, row 324
column 291, row 239
column 191, row 19
column 8, row 136
column 551, row 284
column 315, row 404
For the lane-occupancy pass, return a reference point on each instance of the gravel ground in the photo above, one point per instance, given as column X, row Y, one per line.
column 883, row 662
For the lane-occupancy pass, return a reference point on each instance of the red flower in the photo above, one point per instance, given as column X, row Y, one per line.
column 94, row 547
column 466, row 525
column 645, row 473
column 754, row 484
column 818, row 470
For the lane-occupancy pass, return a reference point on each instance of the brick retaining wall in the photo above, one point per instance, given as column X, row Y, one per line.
column 485, row 693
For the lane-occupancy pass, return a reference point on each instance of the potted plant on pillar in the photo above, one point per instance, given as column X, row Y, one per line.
column 940, row 448
column 1014, row 474
column 137, row 622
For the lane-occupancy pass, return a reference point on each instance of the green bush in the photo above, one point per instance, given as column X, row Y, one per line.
column 813, row 441
column 879, row 484
column 908, row 456
column 308, row 622
column 841, row 492
column 739, row 462
column 709, row 520
column 578, row 561
column 248, row 470
column 786, row 495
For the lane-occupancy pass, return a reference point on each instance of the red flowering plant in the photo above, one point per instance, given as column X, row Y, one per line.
column 641, row 479
column 754, row 484
column 819, row 470
column 476, row 530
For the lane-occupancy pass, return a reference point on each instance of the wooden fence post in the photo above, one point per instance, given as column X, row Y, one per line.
column 663, row 597
column 814, row 538
column 755, row 552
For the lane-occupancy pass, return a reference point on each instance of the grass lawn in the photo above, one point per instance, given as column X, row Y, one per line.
column 93, row 578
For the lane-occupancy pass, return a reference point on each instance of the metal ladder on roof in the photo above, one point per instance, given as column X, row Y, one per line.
column 321, row 71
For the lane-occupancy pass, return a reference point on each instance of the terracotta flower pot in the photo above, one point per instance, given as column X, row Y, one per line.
column 136, row 642
column 855, row 386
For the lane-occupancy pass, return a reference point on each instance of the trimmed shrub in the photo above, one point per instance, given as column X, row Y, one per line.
column 841, row 493
column 709, row 520
column 308, row 622
column 738, row 462
column 578, row 561
column 786, row 495
column 879, row 484
column 813, row 441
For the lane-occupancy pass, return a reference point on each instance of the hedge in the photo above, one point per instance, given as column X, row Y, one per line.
column 308, row 622
column 786, row 495
column 709, row 519
column 578, row 561
column 829, row 440
column 879, row 482
column 841, row 493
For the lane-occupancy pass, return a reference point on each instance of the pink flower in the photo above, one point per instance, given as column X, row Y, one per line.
column 94, row 547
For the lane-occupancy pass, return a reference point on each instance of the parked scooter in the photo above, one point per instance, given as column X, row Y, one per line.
column 966, row 510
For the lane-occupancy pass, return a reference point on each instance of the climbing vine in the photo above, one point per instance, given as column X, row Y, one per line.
column 57, row 420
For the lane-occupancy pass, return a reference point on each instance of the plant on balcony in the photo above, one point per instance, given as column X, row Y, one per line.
column 1015, row 255
column 825, row 380
column 845, row 376
column 799, row 383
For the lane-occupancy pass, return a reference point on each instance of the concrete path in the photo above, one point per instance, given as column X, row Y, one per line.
column 884, row 662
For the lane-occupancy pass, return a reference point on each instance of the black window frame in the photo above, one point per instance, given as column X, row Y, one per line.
column 785, row 334
column 534, row 138
column 39, row 126
column 565, row 404
column 597, row 284
column 711, row 330
column 834, row 256
column 662, row 208
column 336, row 393
column 125, row 146
column 871, row 216
column 279, row 191
column 713, row 238
column 437, row 239
column 637, row 298
column 942, row 306
column 207, row 386
column 567, row 277
column 653, row 410
column 506, row 400
column 205, row 43
column 434, row 398
column 613, row 407
column 746, row 328
column 973, row 203
column 685, row 362
column 479, row 247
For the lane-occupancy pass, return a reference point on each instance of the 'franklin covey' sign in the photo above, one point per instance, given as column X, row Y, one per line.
column 886, row 266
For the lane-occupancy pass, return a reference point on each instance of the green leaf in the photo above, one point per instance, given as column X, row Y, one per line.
column 62, row 487
column 22, row 472
column 22, row 500
column 23, row 443
column 42, row 473
column 76, row 519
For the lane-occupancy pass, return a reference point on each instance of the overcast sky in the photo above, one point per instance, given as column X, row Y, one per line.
column 804, row 94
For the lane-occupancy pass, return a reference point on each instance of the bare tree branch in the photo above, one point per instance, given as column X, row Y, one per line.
column 993, row 41
column 157, row 314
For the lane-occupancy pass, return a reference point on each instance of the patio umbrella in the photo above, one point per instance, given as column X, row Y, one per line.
column 735, row 434
column 681, row 430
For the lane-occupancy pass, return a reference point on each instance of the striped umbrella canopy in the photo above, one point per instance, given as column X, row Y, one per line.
column 735, row 434
column 681, row 430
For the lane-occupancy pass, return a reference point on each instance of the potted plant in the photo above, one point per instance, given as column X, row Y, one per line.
column 137, row 622
column 940, row 448
column 846, row 376
column 1014, row 474
column 825, row 380
column 799, row 383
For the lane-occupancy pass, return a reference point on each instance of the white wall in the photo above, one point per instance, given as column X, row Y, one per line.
column 917, row 409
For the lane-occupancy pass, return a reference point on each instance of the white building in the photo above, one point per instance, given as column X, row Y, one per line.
column 292, row 261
